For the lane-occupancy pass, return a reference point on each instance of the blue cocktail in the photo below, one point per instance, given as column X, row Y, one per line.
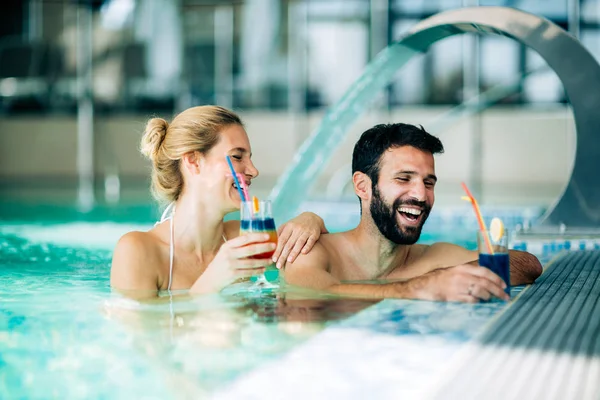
column 498, row 264
column 493, row 254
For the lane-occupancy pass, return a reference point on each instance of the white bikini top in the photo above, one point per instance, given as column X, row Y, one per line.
column 164, row 217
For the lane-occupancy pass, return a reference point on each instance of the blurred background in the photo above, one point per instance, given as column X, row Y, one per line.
column 79, row 79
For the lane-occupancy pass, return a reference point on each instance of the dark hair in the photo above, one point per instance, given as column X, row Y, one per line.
column 377, row 140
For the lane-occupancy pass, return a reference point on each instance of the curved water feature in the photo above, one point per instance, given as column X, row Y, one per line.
column 579, row 204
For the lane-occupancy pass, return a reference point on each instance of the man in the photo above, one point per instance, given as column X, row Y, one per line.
column 394, row 178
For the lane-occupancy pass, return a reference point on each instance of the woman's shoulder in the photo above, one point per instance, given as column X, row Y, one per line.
column 137, row 240
column 136, row 261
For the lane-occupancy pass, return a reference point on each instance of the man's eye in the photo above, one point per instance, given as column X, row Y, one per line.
column 403, row 179
column 429, row 184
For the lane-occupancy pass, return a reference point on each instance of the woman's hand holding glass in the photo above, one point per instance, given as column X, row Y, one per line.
column 298, row 235
column 234, row 261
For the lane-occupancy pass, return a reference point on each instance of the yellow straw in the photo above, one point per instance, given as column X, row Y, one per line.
column 469, row 197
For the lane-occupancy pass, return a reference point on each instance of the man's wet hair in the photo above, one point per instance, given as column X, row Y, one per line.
column 374, row 142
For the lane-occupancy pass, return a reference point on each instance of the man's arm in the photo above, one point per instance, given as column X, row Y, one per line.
column 525, row 268
column 465, row 283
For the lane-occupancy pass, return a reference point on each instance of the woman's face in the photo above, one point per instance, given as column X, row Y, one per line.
column 215, row 171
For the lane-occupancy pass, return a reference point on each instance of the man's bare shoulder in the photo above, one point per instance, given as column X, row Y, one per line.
column 317, row 257
column 449, row 249
column 416, row 251
column 312, row 270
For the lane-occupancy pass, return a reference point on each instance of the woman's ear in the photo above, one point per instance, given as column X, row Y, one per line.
column 362, row 185
column 191, row 162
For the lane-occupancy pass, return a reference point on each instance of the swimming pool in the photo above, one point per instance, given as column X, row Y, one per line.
column 65, row 335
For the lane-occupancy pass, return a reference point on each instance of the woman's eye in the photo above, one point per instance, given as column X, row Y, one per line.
column 237, row 157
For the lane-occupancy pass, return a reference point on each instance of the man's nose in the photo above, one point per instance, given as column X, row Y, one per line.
column 417, row 191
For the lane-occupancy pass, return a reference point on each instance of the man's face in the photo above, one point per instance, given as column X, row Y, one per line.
column 403, row 197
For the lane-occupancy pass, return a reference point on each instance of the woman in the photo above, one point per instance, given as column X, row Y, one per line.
column 194, row 248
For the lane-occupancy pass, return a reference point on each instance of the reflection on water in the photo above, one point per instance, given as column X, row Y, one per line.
column 64, row 334
column 210, row 340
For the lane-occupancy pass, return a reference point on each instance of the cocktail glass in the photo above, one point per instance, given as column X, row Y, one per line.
column 256, row 217
column 493, row 254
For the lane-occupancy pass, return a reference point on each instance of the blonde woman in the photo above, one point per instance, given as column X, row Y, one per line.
column 193, row 248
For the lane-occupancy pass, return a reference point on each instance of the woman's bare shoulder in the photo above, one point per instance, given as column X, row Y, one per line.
column 137, row 241
column 136, row 261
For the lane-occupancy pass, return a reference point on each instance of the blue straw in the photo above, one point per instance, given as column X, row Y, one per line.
column 237, row 183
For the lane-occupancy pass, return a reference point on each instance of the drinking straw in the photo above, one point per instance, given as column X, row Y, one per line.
column 244, row 187
column 482, row 226
column 246, row 192
column 235, row 179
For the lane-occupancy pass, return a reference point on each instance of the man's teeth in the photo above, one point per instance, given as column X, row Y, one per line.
column 410, row 211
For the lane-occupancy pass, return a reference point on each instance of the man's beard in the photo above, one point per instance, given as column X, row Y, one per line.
column 385, row 218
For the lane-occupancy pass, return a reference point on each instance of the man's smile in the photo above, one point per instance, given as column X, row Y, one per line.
column 410, row 215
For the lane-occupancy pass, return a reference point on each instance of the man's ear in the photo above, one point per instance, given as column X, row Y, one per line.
column 191, row 162
column 362, row 185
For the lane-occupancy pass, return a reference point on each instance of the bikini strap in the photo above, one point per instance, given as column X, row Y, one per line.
column 171, row 249
column 165, row 213
column 172, row 241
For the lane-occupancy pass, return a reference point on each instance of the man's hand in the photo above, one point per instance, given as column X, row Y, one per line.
column 465, row 283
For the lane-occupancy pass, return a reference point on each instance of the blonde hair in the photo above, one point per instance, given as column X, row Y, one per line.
column 195, row 129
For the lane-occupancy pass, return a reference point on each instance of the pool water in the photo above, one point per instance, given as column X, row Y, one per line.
column 61, row 328
column 63, row 334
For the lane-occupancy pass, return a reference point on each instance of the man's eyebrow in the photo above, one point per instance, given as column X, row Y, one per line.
column 430, row 176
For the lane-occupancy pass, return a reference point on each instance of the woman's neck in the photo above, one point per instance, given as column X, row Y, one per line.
column 197, row 227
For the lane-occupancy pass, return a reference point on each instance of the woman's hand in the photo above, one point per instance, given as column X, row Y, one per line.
column 232, row 262
column 297, row 235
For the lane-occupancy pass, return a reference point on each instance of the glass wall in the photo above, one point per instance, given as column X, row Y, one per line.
column 148, row 55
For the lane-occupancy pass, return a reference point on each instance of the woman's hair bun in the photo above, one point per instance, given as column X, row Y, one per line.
column 154, row 135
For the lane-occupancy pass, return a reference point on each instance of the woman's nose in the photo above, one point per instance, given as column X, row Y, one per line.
column 251, row 170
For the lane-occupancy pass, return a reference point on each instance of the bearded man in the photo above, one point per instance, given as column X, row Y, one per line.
column 394, row 178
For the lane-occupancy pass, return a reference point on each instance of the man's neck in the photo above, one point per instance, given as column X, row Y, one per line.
column 373, row 253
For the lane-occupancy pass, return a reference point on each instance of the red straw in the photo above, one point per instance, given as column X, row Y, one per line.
column 482, row 226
